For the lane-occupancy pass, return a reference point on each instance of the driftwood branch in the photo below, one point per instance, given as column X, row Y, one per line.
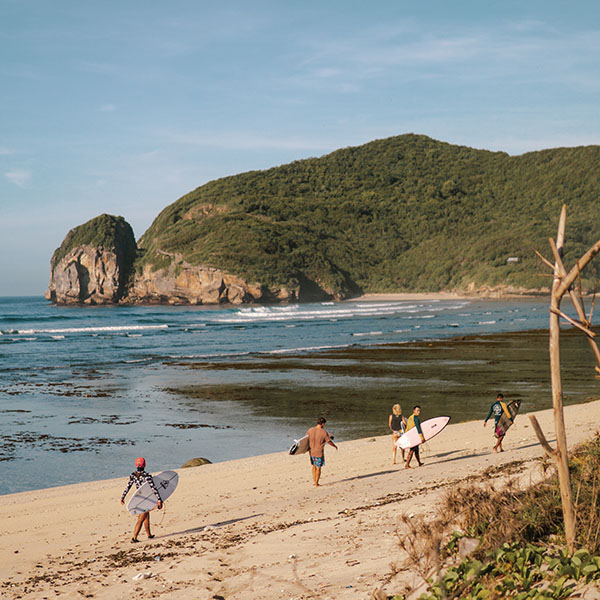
column 559, row 268
column 579, row 325
column 563, row 282
column 544, row 260
column 583, row 261
column 560, row 455
column 542, row 438
column 577, row 299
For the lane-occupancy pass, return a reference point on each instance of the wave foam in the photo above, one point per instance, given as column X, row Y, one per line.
column 109, row 328
column 335, row 311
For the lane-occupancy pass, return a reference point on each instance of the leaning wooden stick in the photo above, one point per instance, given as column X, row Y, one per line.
column 562, row 283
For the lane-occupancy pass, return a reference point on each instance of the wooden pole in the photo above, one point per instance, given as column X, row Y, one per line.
column 561, row 452
column 562, row 283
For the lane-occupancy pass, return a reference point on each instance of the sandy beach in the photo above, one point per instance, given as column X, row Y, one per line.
column 425, row 296
column 408, row 296
column 256, row 528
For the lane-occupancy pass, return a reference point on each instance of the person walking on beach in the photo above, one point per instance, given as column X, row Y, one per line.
column 498, row 408
column 139, row 477
column 317, row 438
column 414, row 421
column 397, row 424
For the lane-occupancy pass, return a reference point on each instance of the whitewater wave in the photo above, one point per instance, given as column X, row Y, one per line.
column 92, row 329
column 368, row 333
column 304, row 349
column 335, row 311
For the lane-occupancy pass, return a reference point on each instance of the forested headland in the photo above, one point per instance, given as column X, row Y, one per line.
column 406, row 213
column 403, row 213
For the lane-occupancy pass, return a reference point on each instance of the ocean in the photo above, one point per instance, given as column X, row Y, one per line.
column 85, row 390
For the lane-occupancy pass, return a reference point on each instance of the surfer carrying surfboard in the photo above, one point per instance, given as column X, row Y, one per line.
column 499, row 408
column 414, row 421
column 140, row 477
column 317, row 438
column 397, row 424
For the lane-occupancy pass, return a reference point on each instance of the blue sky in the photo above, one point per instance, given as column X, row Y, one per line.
column 123, row 106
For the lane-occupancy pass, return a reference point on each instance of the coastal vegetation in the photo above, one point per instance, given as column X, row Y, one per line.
column 403, row 213
column 517, row 534
column 105, row 231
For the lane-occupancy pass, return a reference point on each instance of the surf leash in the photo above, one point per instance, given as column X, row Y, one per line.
column 164, row 512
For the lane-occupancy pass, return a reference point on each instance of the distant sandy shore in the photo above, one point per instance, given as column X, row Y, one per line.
column 408, row 296
column 255, row 528
column 424, row 296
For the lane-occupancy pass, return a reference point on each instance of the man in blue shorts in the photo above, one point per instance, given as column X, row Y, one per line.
column 317, row 438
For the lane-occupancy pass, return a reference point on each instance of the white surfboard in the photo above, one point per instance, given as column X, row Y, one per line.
column 299, row 446
column 144, row 499
column 430, row 428
column 302, row 446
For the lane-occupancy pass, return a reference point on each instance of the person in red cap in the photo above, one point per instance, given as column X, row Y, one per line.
column 140, row 477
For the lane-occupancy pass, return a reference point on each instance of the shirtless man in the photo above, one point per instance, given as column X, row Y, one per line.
column 317, row 438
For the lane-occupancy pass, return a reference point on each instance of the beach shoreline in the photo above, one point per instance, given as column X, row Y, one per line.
column 255, row 528
column 429, row 296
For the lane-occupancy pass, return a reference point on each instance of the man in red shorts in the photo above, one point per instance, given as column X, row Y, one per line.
column 317, row 438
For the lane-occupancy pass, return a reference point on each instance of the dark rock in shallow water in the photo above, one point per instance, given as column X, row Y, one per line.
column 196, row 462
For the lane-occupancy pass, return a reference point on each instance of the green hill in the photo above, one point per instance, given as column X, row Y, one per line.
column 406, row 213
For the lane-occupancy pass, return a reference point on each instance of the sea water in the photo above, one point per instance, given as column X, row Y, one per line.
column 84, row 390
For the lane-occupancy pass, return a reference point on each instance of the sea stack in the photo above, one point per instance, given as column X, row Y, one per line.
column 94, row 263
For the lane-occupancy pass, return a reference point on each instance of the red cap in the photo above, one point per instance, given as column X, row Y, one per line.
column 140, row 462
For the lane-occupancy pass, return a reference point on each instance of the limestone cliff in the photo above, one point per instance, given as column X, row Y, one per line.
column 182, row 283
column 94, row 263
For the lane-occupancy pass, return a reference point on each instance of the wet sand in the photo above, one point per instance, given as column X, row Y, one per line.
column 256, row 528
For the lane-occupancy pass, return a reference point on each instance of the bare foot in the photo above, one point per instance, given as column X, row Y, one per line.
column 407, row 467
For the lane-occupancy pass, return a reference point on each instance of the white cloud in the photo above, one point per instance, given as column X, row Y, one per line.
column 108, row 108
column 508, row 50
column 247, row 141
column 19, row 177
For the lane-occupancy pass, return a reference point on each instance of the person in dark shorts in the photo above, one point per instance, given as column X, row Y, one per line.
column 497, row 409
column 317, row 438
column 414, row 421
column 397, row 424
column 140, row 477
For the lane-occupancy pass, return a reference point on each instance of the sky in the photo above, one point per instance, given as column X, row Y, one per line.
column 122, row 107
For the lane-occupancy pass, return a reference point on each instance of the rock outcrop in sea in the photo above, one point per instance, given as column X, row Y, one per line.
column 94, row 263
